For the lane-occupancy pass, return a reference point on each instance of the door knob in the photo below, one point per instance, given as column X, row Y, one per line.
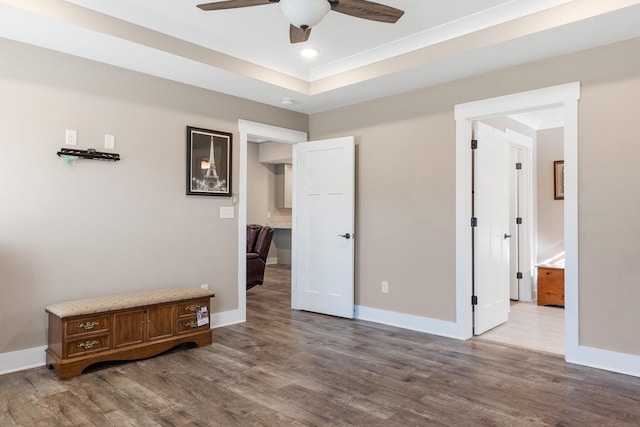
column 346, row 236
column 506, row 236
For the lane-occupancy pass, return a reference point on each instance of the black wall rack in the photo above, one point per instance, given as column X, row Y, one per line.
column 89, row 154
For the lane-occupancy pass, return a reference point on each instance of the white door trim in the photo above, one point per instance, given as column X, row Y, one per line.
column 247, row 130
column 565, row 96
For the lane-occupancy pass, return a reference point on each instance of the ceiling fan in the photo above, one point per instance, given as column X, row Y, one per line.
column 305, row 14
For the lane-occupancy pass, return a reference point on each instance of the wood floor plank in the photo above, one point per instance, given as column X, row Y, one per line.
column 293, row 368
column 5, row 416
column 532, row 326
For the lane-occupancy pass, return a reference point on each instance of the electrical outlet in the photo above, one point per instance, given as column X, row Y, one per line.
column 204, row 287
column 385, row 287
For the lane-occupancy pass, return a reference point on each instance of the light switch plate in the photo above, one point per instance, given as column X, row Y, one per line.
column 71, row 137
column 227, row 212
column 110, row 142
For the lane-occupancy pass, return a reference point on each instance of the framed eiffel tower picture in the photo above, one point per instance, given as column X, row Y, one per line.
column 208, row 162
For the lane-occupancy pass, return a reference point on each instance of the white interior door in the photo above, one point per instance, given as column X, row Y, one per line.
column 491, row 244
column 523, row 240
column 515, row 158
column 325, row 216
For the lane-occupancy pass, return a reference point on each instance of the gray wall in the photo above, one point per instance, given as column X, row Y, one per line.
column 261, row 190
column 98, row 228
column 261, row 179
column 406, row 186
column 550, row 147
column 261, row 201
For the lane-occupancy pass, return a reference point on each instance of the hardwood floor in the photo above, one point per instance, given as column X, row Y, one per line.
column 289, row 368
column 531, row 326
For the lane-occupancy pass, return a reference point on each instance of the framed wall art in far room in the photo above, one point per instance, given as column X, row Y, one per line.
column 558, row 180
column 208, row 162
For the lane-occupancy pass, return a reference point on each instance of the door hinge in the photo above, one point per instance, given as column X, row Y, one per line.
column 474, row 144
column 518, row 221
column 474, row 222
column 474, row 300
column 518, row 275
column 518, row 166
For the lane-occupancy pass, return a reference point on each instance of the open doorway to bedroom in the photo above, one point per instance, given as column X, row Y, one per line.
column 536, row 231
column 566, row 97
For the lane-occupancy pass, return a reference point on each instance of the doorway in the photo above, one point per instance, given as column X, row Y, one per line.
column 255, row 132
column 269, row 189
column 324, row 179
column 535, row 226
column 565, row 97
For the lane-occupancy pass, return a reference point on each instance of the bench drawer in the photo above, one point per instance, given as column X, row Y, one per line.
column 187, row 308
column 87, row 345
column 94, row 324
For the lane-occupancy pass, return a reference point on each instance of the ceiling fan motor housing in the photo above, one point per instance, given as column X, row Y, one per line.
column 304, row 13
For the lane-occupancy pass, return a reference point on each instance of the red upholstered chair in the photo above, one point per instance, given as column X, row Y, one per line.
column 258, row 243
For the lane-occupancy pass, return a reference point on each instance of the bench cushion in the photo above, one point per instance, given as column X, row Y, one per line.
column 123, row 301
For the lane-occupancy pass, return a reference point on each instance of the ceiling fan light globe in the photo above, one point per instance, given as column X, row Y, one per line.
column 304, row 13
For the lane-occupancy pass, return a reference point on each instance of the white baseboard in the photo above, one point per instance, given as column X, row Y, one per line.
column 621, row 363
column 272, row 260
column 408, row 321
column 22, row 359
column 227, row 318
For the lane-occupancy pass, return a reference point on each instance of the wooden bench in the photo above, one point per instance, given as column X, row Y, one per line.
column 125, row 327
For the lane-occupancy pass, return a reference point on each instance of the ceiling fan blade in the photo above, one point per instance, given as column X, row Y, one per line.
column 298, row 35
column 232, row 4
column 367, row 10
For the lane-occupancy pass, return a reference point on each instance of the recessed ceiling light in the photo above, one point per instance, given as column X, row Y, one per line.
column 287, row 101
column 310, row 52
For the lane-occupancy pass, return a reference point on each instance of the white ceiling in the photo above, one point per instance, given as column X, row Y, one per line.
column 541, row 119
column 246, row 52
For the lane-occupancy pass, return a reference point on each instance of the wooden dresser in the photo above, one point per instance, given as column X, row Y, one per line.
column 551, row 285
column 125, row 327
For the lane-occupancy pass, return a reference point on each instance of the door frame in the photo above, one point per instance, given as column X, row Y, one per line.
column 565, row 96
column 258, row 131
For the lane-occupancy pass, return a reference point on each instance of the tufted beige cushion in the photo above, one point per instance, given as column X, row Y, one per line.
column 119, row 302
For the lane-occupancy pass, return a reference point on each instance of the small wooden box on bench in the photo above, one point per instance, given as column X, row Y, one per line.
column 124, row 327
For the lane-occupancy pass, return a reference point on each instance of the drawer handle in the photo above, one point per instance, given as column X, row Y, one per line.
column 87, row 326
column 88, row 344
column 192, row 324
column 193, row 308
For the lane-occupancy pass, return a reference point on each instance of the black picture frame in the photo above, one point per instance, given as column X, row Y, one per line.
column 205, row 178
